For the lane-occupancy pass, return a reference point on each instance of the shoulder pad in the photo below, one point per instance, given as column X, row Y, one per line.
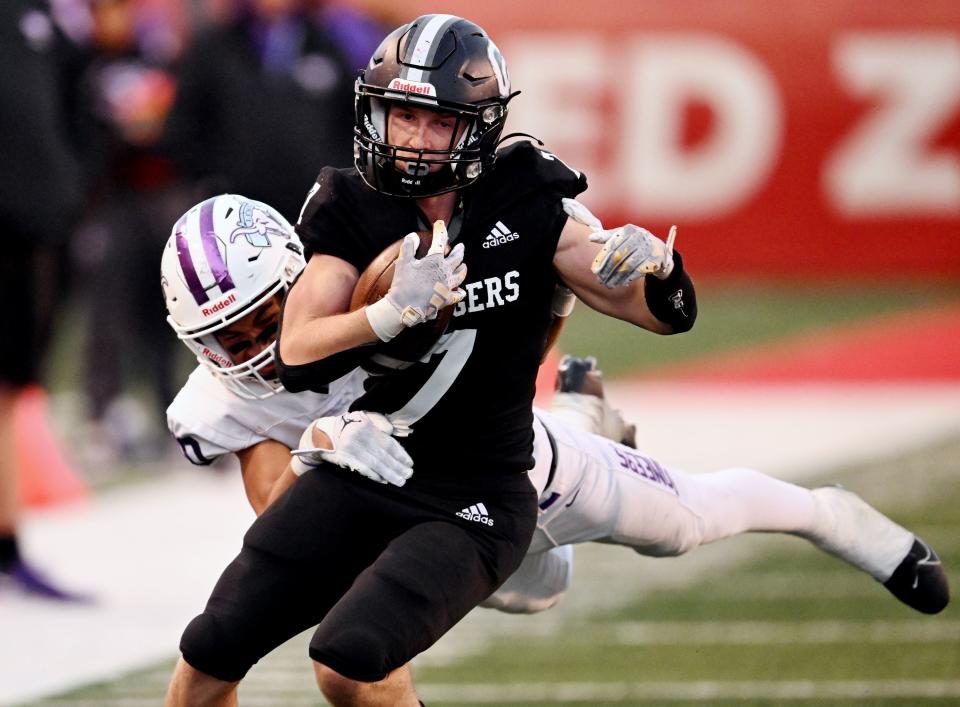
column 537, row 166
column 524, row 171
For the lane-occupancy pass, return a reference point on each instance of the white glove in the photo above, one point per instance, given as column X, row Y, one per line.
column 421, row 287
column 629, row 252
column 362, row 442
column 581, row 214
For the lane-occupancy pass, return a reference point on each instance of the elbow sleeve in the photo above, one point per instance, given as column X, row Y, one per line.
column 673, row 300
column 317, row 376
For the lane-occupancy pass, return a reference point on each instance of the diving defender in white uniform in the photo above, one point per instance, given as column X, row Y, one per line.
column 590, row 488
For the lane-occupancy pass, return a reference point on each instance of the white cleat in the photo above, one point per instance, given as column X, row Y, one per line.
column 850, row 528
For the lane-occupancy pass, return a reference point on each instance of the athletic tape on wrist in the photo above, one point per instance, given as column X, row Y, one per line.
column 385, row 319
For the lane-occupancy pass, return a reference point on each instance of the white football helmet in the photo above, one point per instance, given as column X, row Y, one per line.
column 226, row 257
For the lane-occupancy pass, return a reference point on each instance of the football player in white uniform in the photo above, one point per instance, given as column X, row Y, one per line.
column 224, row 273
column 224, row 278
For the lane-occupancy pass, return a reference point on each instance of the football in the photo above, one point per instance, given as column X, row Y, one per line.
column 413, row 343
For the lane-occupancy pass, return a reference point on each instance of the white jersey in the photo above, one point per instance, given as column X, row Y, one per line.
column 208, row 420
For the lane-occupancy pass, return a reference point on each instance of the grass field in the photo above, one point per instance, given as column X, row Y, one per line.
column 757, row 620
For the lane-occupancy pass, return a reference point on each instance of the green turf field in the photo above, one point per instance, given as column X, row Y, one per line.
column 759, row 620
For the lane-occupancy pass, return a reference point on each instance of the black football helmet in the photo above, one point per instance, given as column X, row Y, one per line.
column 440, row 62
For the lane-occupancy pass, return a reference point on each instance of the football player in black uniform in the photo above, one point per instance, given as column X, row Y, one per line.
column 385, row 570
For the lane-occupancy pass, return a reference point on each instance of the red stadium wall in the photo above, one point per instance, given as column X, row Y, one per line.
column 796, row 138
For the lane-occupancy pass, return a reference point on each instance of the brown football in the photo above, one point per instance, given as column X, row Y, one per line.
column 411, row 344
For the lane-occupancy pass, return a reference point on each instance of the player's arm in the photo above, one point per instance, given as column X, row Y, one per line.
column 664, row 306
column 316, row 323
column 263, row 466
column 319, row 339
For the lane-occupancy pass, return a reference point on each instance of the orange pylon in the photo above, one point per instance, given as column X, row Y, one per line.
column 45, row 477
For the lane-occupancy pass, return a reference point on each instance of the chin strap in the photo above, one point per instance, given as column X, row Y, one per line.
column 512, row 135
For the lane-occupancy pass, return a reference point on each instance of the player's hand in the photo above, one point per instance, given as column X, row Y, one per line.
column 630, row 252
column 421, row 287
column 361, row 441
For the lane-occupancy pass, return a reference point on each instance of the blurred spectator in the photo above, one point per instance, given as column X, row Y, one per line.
column 264, row 99
column 123, row 96
column 40, row 197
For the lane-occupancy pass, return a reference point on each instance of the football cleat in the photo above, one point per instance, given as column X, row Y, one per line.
column 21, row 577
column 574, row 376
column 580, row 401
column 853, row 530
column 919, row 581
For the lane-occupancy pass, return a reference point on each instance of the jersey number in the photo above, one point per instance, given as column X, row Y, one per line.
column 457, row 348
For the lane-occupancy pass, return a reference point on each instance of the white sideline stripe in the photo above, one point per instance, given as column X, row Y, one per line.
column 703, row 690
column 850, row 422
column 785, row 632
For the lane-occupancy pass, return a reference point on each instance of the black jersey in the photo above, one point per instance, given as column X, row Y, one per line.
column 469, row 404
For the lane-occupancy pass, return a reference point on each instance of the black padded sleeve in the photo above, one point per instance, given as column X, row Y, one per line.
column 317, row 376
column 673, row 300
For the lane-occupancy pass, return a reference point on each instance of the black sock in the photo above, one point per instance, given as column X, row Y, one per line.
column 8, row 550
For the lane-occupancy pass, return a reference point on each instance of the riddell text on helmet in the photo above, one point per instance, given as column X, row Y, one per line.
column 213, row 309
column 426, row 89
column 222, row 361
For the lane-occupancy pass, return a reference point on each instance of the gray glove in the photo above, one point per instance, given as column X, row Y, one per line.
column 421, row 287
column 362, row 442
column 630, row 252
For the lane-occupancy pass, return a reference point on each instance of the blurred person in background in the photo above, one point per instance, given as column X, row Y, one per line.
column 272, row 82
column 41, row 194
column 123, row 94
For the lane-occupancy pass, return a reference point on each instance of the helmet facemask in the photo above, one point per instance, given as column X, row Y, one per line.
column 248, row 379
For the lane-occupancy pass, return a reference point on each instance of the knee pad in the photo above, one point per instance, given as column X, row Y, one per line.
column 206, row 649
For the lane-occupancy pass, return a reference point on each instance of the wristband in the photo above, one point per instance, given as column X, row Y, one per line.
column 672, row 300
column 385, row 319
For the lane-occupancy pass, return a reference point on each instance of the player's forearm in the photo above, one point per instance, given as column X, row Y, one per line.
column 667, row 306
column 318, row 338
column 323, row 350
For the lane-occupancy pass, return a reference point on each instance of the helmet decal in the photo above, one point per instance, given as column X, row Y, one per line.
column 221, row 276
column 499, row 68
column 200, row 295
column 427, row 89
column 257, row 225
column 425, row 42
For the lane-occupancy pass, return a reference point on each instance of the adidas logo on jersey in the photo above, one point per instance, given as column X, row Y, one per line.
column 477, row 513
column 499, row 235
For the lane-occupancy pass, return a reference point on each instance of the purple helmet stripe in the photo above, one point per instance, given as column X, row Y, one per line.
column 186, row 264
column 219, row 269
